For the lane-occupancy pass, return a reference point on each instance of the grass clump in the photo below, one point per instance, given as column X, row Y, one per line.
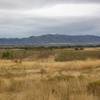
column 94, row 87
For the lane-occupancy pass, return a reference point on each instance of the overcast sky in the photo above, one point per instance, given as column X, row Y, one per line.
column 24, row 18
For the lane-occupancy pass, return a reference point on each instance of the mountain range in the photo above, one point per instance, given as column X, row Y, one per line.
column 54, row 39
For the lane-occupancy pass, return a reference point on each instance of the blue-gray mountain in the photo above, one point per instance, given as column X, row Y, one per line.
column 52, row 40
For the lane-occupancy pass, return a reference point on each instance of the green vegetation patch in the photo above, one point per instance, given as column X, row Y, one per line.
column 7, row 55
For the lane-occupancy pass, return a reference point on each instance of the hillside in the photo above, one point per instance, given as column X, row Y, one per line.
column 52, row 40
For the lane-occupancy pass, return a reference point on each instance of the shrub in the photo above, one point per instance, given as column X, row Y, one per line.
column 7, row 55
column 76, row 48
column 81, row 48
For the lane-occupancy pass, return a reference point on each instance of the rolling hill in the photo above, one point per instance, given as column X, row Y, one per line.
column 52, row 40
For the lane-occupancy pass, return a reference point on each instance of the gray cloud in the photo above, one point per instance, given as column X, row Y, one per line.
column 29, row 27
column 15, row 22
column 79, row 26
column 24, row 4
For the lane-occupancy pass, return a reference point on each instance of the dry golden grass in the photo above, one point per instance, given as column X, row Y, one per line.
column 51, row 65
column 48, row 80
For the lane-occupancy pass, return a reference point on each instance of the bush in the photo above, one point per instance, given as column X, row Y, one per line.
column 76, row 48
column 81, row 48
column 7, row 55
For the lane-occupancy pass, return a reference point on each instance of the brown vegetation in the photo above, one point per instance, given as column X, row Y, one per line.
column 25, row 78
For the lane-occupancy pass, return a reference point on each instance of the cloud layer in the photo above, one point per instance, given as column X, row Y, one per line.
column 23, row 18
column 25, row 4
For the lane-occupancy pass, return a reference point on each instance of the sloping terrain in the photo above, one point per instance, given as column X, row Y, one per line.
column 52, row 40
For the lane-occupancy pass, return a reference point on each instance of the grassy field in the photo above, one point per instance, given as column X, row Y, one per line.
column 50, row 74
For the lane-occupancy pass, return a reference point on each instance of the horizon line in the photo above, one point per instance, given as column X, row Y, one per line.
column 47, row 34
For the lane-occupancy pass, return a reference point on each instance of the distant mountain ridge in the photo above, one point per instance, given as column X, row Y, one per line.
column 50, row 39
